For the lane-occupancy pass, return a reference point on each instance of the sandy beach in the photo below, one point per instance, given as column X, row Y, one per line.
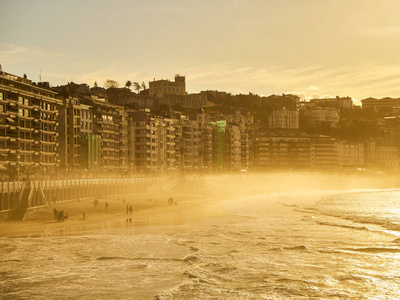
column 84, row 215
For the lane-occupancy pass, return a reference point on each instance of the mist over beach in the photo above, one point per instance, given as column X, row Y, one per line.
column 280, row 235
column 175, row 149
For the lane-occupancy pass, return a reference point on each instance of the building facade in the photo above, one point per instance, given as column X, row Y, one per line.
column 28, row 127
column 162, row 87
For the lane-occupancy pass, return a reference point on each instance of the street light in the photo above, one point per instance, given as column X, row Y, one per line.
column 95, row 170
column 18, row 157
column 131, row 169
column 58, row 170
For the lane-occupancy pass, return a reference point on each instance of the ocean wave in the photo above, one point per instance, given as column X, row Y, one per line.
column 138, row 258
column 301, row 248
column 191, row 259
column 342, row 225
column 376, row 250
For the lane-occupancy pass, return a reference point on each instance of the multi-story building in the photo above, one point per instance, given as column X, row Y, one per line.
column 381, row 156
column 205, row 132
column 387, row 156
column 284, row 119
column 350, row 155
column 324, row 154
column 338, row 102
column 111, row 124
column 218, row 145
column 149, row 141
column 70, row 134
column 28, row 126
column 186, row 143
column 233, row 147
column 90, row 143
column 169, row 144
column 382, row 105
column 159, row 88
column 282, row 151
column 327, row 115
column 186, row 101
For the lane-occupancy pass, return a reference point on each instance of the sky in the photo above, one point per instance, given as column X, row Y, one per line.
column 313, row 48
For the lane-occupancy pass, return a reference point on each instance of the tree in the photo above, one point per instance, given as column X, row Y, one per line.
column 136, row 86
column 111, row 84
column 144, row 85
column 128, row 84
column 95, row 84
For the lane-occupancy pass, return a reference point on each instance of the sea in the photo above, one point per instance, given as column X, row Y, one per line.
column 342, row 245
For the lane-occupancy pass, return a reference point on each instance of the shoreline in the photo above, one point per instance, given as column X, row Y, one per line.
column 146, row 212
column 198, row 208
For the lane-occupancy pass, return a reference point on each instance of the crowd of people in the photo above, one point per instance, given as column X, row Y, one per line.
column 60, row 216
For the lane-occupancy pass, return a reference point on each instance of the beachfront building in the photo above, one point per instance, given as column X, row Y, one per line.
column 111, row 124
column 28, row 126
column 350, row 155
column 205, row 134
column 324, row 155
column 186, row 143
column 278, row 150
column 69, row 134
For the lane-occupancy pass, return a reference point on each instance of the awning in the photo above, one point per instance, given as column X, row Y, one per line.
column 2, row 168
column 10, row 120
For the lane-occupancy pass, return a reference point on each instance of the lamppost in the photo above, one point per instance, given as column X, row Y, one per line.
column 18, row 157
column 58, row 171
column 131, row 169
column 95, row 170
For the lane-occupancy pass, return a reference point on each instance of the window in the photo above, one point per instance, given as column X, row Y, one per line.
column 1, row 96
column 26, row 101
column 20, row 100
column 20, row 111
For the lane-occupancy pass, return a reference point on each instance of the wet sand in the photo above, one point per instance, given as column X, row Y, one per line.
column 146, row 212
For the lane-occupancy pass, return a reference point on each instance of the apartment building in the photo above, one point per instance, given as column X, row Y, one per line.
column 282, row 151
column 186, row 143
column 70, row 134
column 186, row 101
column 90, row 143
column 205, row 134
column 350, row 155
column 338, row 102
column 28, row 126
column 111, row 124
column 327, row 115
column 284, row 119
column 324, row 155
column 383, row 105
column 233, row 147
column 146, row 141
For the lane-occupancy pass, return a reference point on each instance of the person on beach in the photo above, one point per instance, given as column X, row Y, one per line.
column 131, row 209
column 127, row 209
column 106, row 205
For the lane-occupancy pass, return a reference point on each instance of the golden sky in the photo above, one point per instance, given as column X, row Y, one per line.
column 310, row 47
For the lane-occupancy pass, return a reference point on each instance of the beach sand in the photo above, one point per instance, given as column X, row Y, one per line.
column 147, row 211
